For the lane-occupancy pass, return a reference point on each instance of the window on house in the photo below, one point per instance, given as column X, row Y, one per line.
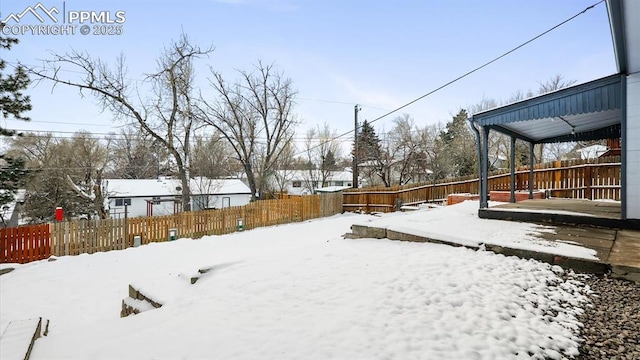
column 338, row 183
column 123, row 202
column 297, row 184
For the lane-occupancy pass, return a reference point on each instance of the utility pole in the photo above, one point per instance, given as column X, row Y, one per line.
column 355, row 146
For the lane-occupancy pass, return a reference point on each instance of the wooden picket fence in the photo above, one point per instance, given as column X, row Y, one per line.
column 24, row 244
column 30, row 243
column 578, row 179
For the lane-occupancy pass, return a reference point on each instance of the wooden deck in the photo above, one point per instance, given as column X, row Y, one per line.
column 605, row 209
column 563, row 211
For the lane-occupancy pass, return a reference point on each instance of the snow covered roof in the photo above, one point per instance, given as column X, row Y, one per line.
column 592, row 152
column 6, row 210
column 297, row 175
column 331, row 189
column 169, row 187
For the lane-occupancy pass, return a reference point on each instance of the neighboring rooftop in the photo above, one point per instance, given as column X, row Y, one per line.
column 170, row 186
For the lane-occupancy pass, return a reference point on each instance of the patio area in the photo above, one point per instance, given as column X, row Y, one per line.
column 557, row 211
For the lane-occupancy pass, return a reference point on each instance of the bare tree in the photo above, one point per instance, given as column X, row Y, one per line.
column 213, row 157
column 206, row 188
column 255, row 116
column 166, row 114
column 137, row 155
column 554, row 83
column 89, row 159
column 403, row 155
column 321, row 149
column 66, row 173
column 557, row 151
column 284, row 169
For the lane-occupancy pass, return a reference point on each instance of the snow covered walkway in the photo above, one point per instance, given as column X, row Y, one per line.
column 460, row 224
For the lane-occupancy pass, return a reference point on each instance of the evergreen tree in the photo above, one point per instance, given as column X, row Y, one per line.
column 459, row 144
column 329, row 162
column 12, row 104
column 368, row 143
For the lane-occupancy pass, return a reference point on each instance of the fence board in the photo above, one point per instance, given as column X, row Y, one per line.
column 583, row 179
column 25, row 243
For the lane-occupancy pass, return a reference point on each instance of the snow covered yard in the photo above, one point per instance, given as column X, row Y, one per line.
column 298, row 291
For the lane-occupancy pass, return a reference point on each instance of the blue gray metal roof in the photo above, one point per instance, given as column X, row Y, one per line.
column 580, row 112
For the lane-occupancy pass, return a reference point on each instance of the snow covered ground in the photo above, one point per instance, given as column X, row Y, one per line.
column 298, row 291
column 460, row 224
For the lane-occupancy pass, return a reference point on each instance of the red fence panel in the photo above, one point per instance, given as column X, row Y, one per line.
column 25, row 243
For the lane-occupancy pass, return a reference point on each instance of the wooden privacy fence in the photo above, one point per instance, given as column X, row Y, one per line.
column 25, row 243
column 577, row 179
column 29, row 243
column 83, row 236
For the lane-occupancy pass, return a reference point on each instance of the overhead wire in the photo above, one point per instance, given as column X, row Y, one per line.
column 390, row 112
column 465, row 74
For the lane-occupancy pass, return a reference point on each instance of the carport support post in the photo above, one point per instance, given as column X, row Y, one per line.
column 512, row 195
column 484, row 186
column 531, row 162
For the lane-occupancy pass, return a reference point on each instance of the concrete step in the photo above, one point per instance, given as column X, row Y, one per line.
column 583, row 265
column 137, row 302
column 131, row 306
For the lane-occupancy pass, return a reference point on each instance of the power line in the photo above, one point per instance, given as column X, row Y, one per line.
column 16, row 64
column 116, row 136
column 68, row 123
column 342, row 103
column 467, row 73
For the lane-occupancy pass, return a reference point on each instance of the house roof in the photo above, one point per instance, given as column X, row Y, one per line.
column 587, row 111
column 301, row 175
column 6, row 210
column 624, row 18
column 331, row 189
column 168, row 187
column 592, row 152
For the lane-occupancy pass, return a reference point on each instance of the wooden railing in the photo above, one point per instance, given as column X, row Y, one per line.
column 591, row 179
column 29, row 243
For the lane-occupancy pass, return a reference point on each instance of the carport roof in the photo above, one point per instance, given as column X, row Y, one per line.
column 587, row 111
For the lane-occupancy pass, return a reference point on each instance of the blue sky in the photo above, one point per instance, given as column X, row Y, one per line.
column 337, row 52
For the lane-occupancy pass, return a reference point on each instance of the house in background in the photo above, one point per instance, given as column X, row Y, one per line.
column 156, row 197
column 306, row 182
column 592, row 151
column 10, row 212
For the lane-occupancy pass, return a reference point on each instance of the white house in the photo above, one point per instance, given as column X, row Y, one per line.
column 10, row 212
column 155, row 197
column 592, row 152
column 305, row 182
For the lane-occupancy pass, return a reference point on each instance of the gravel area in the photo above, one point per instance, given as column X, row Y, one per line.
column 612, row 321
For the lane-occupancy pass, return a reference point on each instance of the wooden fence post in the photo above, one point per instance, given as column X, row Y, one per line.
column 588, row 181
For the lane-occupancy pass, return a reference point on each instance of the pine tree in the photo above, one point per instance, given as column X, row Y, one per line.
column 329, row 162
column 368, row 143
column 12, row 104
column 459, row 145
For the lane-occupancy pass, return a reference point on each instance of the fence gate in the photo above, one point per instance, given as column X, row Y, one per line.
column 25, row 243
